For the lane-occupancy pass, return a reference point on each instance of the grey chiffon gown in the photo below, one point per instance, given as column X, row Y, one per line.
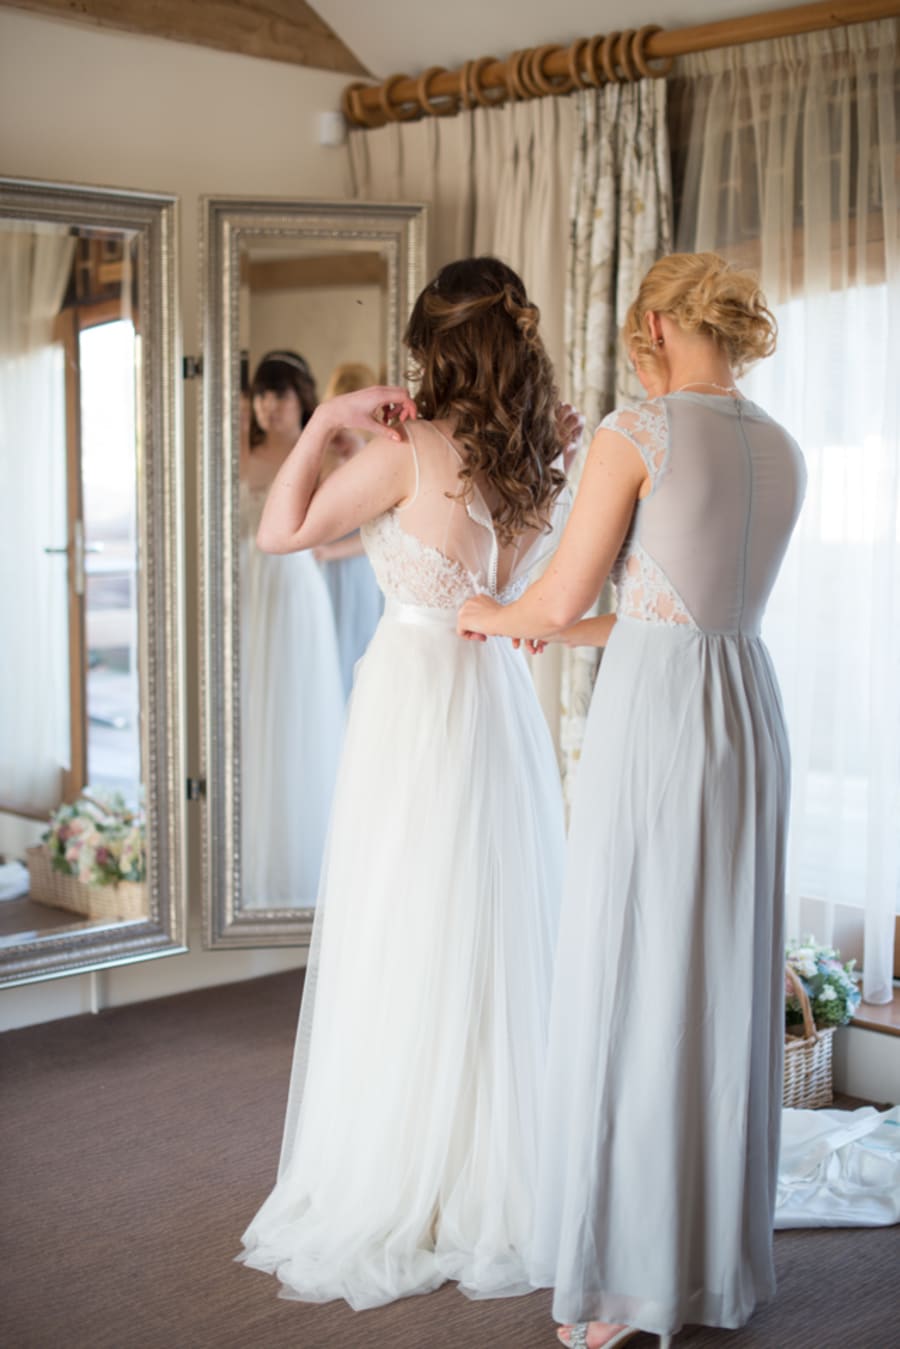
column 661, row 1124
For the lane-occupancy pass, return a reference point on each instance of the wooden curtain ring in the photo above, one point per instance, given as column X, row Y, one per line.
column 624, row 54
column 515, row 84
column 443, row 110
column 355, row 111
column 394, row 112
column 542, row 83
column 639, row 53
column 607, row 56
column 573, row 60
column 465, row 75
column 596, row 46
column 474, row 92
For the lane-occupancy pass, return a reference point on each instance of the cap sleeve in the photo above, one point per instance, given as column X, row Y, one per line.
column 646, row 427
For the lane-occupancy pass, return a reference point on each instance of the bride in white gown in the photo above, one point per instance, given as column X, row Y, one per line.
column 409, row 1149
column 292, row 707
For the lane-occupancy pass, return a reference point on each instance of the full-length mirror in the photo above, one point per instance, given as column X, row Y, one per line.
column 303, row 299
column 91, row 835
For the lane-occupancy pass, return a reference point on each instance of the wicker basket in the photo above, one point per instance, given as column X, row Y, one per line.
column 125, row 899
column 807, row 1058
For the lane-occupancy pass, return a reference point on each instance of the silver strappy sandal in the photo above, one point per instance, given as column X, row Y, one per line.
column 578, row 1338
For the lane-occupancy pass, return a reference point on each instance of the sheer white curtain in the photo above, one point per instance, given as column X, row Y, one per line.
column 496, row 180
column 787, row 159
column 35, row 261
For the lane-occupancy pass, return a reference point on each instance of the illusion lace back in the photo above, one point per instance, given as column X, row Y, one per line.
column 438, row 549
column 722, row 497
column 642, row 589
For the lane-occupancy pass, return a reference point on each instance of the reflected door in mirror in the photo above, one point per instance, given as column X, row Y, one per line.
column 70, row 720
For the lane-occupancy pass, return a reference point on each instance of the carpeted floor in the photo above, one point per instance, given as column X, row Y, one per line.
column 137, row 1144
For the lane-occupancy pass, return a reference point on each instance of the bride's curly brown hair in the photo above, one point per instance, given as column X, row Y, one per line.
column 481, row 365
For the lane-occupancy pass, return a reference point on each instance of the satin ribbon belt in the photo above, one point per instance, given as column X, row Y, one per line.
column 398, row 612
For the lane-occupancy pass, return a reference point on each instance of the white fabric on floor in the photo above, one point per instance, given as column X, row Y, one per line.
column 839, row 1168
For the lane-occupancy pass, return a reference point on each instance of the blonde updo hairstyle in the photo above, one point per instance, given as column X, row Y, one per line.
column 703, row 293
column 349, row 377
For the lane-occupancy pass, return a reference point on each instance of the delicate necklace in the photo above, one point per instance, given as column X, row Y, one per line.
column 707, row 384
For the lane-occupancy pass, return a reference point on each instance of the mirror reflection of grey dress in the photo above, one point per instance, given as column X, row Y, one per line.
column 292, row 711
column 663, row 1102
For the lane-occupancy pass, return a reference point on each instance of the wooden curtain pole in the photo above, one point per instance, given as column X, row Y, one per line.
column 613, row 57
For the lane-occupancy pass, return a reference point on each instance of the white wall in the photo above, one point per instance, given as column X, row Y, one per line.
column 326, row 324
column 83, row 105
column 867, row 1064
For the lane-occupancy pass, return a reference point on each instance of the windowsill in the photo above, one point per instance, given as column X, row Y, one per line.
column 885, row 1019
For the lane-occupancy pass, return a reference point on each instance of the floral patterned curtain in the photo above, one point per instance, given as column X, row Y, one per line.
column 621, row 222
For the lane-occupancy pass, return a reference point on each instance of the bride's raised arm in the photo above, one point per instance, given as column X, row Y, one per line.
column 302, row 513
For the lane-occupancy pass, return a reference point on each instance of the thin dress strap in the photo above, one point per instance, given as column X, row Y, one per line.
column 447, row 441
column 408, row 426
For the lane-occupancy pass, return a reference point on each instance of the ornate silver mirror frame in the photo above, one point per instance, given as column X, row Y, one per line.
column 232, row 229
column 152, row 221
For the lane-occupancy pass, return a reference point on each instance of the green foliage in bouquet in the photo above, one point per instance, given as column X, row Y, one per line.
column 99, row 839
column 830, row 986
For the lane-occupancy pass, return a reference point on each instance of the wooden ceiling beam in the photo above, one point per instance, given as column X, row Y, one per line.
column 276, row 30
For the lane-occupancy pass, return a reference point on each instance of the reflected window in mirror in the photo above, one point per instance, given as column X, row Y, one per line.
column 70, row 728
column 91, row 678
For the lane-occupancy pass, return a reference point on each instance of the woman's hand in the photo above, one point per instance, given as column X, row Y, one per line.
column 474, row 618
column 571, row 429
column 533, row 645
column 377, row 410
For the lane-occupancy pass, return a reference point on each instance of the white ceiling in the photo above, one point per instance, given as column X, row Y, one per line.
column 392, row 36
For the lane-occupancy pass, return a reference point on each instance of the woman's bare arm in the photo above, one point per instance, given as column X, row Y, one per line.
column 302, row 512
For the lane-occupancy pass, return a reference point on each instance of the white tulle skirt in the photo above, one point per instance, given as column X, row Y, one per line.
column 292, row 715
column 410, row 1147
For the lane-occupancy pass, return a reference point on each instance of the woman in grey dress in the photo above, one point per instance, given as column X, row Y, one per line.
column 661, row 1127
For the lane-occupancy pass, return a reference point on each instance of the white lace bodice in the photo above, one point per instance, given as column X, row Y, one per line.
column 416, row 573
column 643, row 590
column 411, row 571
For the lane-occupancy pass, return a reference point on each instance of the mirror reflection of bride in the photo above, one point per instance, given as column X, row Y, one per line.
column 291, row 693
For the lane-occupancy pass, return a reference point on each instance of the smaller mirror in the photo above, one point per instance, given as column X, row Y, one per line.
column 305, row 299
